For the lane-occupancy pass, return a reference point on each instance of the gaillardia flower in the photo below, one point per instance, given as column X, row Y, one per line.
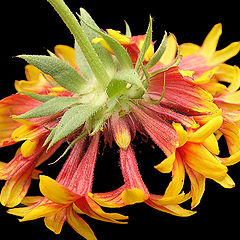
column 111, row 87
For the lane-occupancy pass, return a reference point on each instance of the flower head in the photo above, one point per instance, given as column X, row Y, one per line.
column 112, row 87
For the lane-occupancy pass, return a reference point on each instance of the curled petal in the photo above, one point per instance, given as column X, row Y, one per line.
column 233, row 159
column 231, row 133
column 206, row 130
column 112, row 199
column 166, row 165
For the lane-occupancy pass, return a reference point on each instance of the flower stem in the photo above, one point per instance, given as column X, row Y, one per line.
column 91, row 56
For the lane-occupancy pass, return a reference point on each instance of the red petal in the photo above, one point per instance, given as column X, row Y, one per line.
column 170, row 114
column 82, row 180
column 181, row 93
column 161, row 132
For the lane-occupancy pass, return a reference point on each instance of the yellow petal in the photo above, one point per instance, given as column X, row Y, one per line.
column 56, row 221
column 206, row 77
column 224, row 54
column 103, row 43
column 170, row 52
column 55, row 191
column 235, row 84
column 226, row 182
column 203, row 119
column 36, row 82
column 171, row 200
column 229, row 74
column 150, row 51
column 122, row 138
column 134, row 195
column 166, row 165
column 28, row 147
column 16, row 187
column 22, row 121
column 206, row 130
column 178, row 176
column 187, row 49
column 197, row 157
column 66, row 54
column 57, row 89
column 182, row 134
column 28, row 201
column 186, row 73
column 210, row 43
column 20, row 211
column 233, row 159
column 119, row 37
column 97, row 213
column 172, row 209
column 79, row 225
column 231, row 133
column 232, row 98
column 40, row 211
column 197, row 186
column 211, row 144
column 24, row 132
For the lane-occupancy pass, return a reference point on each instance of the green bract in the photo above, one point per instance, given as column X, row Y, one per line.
column 105, row 84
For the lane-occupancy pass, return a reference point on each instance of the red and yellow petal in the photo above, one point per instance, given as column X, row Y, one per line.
column 17, row 185
column 112, row 199
column 13, row 105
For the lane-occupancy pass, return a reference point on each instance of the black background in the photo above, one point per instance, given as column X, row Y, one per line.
column 31, row 27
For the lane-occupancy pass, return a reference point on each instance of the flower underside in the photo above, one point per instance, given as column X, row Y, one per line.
column 115, row 86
